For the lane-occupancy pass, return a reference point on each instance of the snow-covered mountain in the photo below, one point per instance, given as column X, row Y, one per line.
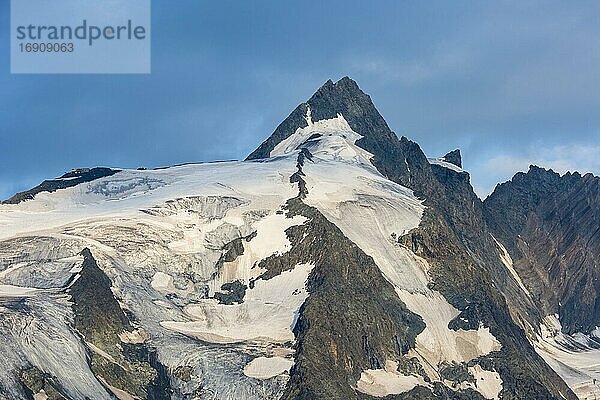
column 336, row 262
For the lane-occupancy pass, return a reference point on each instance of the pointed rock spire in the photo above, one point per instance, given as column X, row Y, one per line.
column 454, row 158
column 342, row 97
column 400, row 160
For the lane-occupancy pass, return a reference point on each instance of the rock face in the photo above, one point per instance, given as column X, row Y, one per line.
column 344, row 97
column 98, row 317
column 550, row 224
column 336, row 262
column 454, row 157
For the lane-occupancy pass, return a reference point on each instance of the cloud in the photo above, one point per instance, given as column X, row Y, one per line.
column 440, row 62
column 561, row 159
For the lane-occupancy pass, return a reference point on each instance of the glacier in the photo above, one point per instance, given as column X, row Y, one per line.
column 159, row 236
column 210, row 281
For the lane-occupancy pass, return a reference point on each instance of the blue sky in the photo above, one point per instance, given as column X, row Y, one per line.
column 509, row 82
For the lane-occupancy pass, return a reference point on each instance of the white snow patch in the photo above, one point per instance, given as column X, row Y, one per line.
column 41, row 395
column 267, row 313
column 579, row 368
column 102, row 353
column 488, row 383
column 267, row 367
column 383, row 382
column 162, row 282
column 136, row 336
column 508, row 263
column 17, row 291
column 438, row 343
column 445, row 164
column 270, row 239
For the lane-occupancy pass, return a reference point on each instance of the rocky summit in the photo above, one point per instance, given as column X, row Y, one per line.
column 337, row 261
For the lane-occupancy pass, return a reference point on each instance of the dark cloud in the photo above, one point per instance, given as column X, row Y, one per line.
column 509, row 82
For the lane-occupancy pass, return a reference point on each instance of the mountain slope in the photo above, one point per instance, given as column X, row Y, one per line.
column 454, row 216
column 337, row 262
column 550, row 226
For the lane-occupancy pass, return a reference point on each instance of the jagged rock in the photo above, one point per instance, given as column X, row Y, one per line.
column 345, row 287
column 549, row 224
column 40, row 385
column 453, row 157
column 233, row 292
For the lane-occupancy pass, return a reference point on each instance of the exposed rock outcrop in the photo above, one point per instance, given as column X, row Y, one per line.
column 67, row 180
column 128, row 366
column 454, row 157
column 550, row 224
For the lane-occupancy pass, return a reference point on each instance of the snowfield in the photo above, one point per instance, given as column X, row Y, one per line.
column 575, row 358
column 267, row 367
column 160, row 237
column 382, row 382
column 267, row 315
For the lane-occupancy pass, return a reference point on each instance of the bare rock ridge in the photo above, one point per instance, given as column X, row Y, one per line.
column 98, row 317
column 550, row 224
column 364, row 327
column 70, row 179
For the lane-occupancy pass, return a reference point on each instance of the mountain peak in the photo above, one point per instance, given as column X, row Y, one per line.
column 454, row 158
column 344, row 98
column 346, row 84
column 401, row 161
